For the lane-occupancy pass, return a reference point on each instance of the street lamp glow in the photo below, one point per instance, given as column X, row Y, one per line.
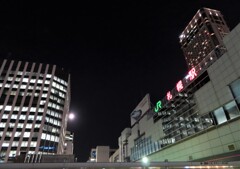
column 71, row 116
column 145, row 160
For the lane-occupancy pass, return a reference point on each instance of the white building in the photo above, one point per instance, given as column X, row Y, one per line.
column 101, row 154
column 34, row 106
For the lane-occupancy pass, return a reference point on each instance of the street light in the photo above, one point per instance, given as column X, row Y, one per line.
column 145, row 161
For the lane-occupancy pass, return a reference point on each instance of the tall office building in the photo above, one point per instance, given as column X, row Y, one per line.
column 34, row 105
column 203, row 34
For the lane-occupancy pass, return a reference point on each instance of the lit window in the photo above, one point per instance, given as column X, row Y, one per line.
column 44, row 95
column 25, row 80
column 29, row 126
column 43, row 136
column 26, row 134
column 39, row 118
column 22, row 117
column 20, row 125
column 24, row 144
column 31, row 117
column 33, row 109
column 52, row 138
column 33, row 80
column 16, row 108
column 5, row 116
column 8, row 108
column 12, row 154
column 5, row 144
column 15, row 144
column 24, row 108
column 17, row 134
column 14, row 116
column 40, row 81
column 23, row 86
column 33, row 144
column 48, row 137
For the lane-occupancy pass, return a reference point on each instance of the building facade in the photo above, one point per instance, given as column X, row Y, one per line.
column 34, row 105
column 102, row 154
column 198, row 119
column 203, row 34
column 68, row 148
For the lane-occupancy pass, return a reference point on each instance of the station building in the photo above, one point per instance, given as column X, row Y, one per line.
column 199, row 119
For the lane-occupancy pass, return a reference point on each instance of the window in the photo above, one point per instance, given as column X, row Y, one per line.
column 235, row 87
column 33, row 144
column 5, row 144
column 220, row 115
column 232, row 110
column 26, row 134
column 24, row 144
column 29, row 126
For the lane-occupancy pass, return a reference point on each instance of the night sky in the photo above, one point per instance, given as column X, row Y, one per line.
column 115, row 51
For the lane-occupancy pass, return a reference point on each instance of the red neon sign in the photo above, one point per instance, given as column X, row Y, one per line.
column 192, row 74
column 169, row 96
column 179, row 86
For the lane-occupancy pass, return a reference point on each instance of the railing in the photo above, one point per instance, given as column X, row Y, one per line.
column 133, row 165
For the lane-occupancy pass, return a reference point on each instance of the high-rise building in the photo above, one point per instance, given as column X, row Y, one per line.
column 203, row 34
column 198, row 120
column 34, row 106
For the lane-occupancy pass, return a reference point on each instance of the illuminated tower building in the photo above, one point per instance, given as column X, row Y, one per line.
column 203, row 34
column 34, row 106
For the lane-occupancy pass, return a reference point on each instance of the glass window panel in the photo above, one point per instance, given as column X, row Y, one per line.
column 26, row 134
column 232, row 110
column 235, row 86
column 33, row 144
column 220, row 115
column 24, row 144
column 8, row 108
column 43, row 136
column 15, row 144
column 5, row 144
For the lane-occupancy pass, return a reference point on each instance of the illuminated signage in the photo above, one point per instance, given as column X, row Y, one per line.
column 179, row 86
column 47, row 148
column 158, row 106
column 169, row 96
column 191, row 74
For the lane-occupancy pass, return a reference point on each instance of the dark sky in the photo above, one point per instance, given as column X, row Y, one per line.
column 116, row 53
